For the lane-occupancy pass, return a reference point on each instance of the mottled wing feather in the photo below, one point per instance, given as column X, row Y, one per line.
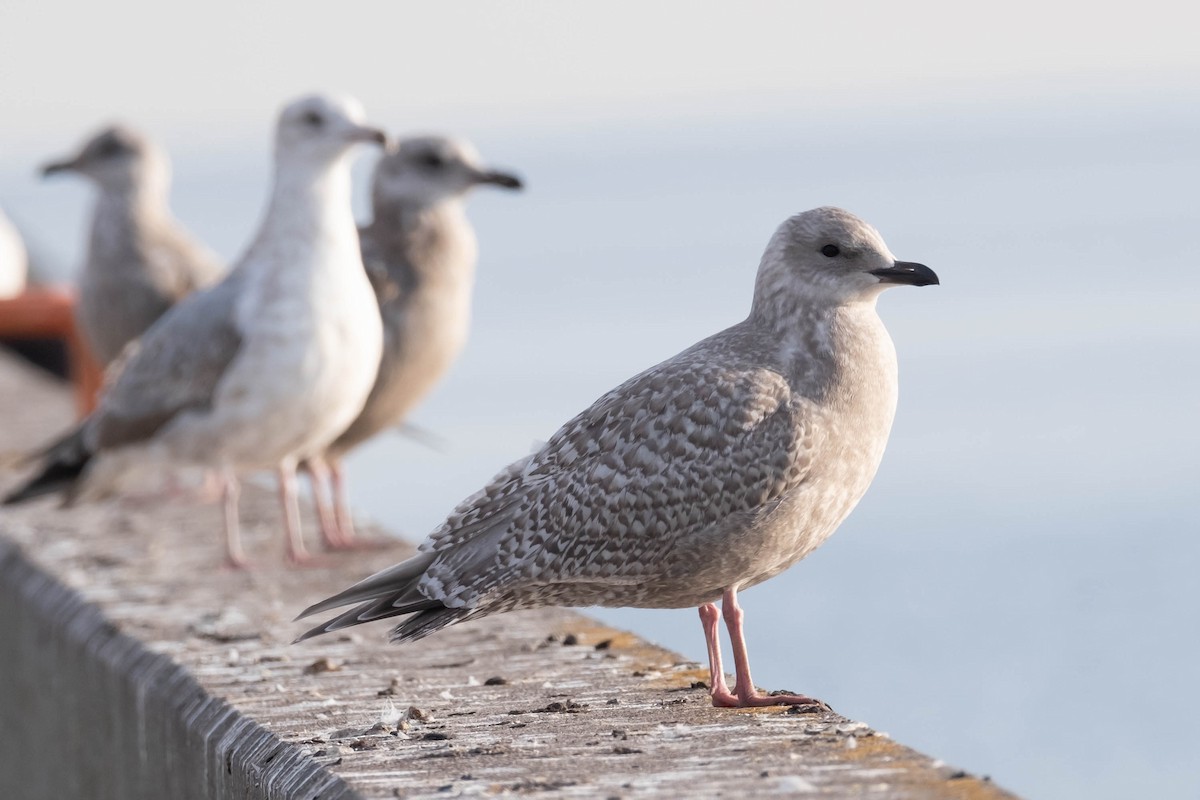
column 173, row 368
column 625, row 487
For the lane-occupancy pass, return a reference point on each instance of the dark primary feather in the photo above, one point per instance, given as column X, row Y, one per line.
column 64, row 463
column 389, row 593
column 380, row 584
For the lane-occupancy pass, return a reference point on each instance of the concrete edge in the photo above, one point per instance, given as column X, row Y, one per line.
column 66, row 664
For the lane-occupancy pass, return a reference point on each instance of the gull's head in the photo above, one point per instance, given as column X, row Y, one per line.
column 829, row 255
column 320, row 129
column 117, row 158
column 426, row 170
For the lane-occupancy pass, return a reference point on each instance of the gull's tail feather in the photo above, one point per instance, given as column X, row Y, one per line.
column 428, row 621
column 367, row 612
column 63, row 464
column 388, row 582
column 389, row 593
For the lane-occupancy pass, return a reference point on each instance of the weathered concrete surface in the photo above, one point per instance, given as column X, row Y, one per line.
column 133, row 665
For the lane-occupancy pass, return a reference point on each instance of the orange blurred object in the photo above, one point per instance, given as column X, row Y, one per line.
column 48, row 312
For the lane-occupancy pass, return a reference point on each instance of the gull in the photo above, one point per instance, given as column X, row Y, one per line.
column 140, row 261
column 420, row 253
column 702, row 476
column 267, row 367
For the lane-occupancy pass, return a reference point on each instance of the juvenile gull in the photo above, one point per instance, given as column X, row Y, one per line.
column 420, row 253
column 140, row 261
column 707, row 474
column 267, row 367
column 14, row 261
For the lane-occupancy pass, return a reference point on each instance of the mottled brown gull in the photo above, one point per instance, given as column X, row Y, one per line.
column 140, row 261
column 705, row 475
column 267, row 367
column 420, row 253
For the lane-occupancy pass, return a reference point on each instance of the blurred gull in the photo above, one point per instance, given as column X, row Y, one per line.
column 140, row 262
column 705, row 475
column 420, row 253
column 14, row 262
column 267, row 367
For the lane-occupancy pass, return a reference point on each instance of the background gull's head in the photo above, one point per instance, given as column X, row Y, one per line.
column 321, row 129
column 425, row 170
column 118, row 158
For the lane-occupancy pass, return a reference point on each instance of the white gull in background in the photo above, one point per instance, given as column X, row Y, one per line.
column 140, row 261
column 420, row 253
column 267, row 367
column 705, row 475
column 14, row 261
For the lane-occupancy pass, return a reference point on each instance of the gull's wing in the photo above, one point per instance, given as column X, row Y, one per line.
column 174, row 367
column 670, row 454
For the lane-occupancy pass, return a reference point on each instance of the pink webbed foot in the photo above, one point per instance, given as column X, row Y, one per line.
column 744, row 694
column 756, row 700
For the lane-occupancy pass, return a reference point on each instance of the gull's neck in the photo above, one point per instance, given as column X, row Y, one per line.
column 818, row 330
column 141, row 198
column 434, row 240
column 402, row 216
column 310, row 201
column 124, row 220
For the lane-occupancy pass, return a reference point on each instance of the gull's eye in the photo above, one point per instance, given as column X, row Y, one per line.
column 108, row 148
column 313, row 119
column 830, row 251
column 431, row 160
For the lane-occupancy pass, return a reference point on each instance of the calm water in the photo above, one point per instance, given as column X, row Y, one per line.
column 1017, row 594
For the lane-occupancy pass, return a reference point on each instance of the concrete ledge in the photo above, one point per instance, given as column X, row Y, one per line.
column 134, row 666
column 90, row 712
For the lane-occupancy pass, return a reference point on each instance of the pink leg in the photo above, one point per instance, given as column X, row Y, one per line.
column 210, row 488
column 721, row 696
column 344, row 516
column 235, row 557
column 318, row 475
column 297, row 553
column 747, row 694
column 341, row 503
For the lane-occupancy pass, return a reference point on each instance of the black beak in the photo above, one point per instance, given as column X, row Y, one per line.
column 907, row 272
column 368, row 135
column 496, row 178
column 55, row 167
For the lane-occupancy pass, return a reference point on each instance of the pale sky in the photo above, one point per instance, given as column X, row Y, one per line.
column 210, row 74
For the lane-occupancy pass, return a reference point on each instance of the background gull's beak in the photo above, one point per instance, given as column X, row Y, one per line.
column 498, row 178
column 55, row 167
column 365, row 133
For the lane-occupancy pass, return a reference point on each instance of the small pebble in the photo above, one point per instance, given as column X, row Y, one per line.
column 322, row 665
